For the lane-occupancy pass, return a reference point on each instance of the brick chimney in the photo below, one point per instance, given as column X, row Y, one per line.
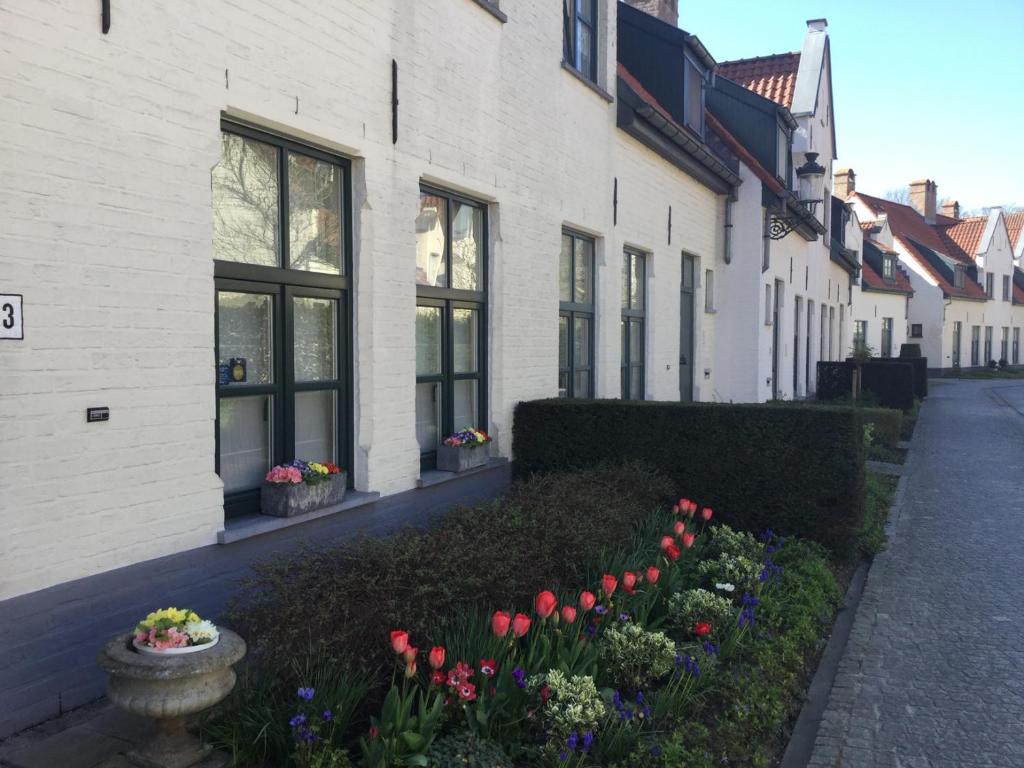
column 922, row 198
column 666, row 10
column 845, row 183
column 951, row 208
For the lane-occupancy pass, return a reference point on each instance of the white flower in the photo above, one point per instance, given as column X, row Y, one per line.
column 200, row 632
column 725, row 586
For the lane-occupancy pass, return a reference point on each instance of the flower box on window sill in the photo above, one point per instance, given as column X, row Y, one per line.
column 462, row 457
column 298, row 499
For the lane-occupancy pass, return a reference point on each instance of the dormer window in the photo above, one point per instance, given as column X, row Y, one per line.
column 694, row 96
column 958, row 276
column 889, row 269
column 579, row 46
column 782, row 156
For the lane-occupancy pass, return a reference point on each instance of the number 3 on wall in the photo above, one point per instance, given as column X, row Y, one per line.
column 11, row 325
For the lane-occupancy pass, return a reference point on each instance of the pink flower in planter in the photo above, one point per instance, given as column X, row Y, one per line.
column 284, row 476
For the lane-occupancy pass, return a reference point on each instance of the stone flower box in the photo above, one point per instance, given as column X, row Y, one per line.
column 299, row 498
column 462, row 457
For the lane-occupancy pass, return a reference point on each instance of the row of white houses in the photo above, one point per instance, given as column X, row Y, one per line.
column 258, row 232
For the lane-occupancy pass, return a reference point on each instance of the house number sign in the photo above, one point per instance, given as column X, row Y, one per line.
column 11, row 322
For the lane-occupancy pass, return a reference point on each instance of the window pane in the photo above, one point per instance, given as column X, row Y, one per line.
column 563, row 383
column 636, row 283
column 428, row 415
column 244, row 337
column 625, row 341
column 565, row 270
column 428, row 341
column 314, row 215
column 466, row 333
column 315, row 419
column 585, row 41
column 636, row 386
column 585, row 9
column 581, row 381
column 467, row 247
column 430, row 241
column 245, row 435
column 467, row 404
column 315, row 323
column 584, row 271
column 245, row 198
column 636, row 341
column 563, row 341
column 627, row 262
column 581, row 341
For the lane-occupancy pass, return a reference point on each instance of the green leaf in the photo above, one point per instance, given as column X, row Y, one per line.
column 414, row 741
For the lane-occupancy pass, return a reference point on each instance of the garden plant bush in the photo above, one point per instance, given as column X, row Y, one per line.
column 584, row 673
column 790, row 467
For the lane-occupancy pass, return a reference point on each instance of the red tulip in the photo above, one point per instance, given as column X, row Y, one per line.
column 568, row 614
column 629, row 582
column 679, row 527
column 500, row 622
column 436, row 657
column 684, row 504
column 675, row 509
column 666, row 542
column 608, row 584
column 587, row 600
column 410, row 654
column 702, row 629
column 545, row 604
column 691, row 508
column 399, row 641
column 373, row 732
column 706, row 513
column 672, row 552
column 688, row 540
column 653, row 574
column 520, row 624
column 410, row 669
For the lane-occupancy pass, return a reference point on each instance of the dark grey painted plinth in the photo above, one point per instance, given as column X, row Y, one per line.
column 49, row 639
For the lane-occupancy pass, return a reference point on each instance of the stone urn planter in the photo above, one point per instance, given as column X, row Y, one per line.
column 168, row 688
column 300, row 498
column 462, row 457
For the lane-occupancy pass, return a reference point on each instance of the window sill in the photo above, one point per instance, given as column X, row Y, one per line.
column 240, row 528
column 492, row 8
column 589, row 83
column 431, row 477
column 711, row 311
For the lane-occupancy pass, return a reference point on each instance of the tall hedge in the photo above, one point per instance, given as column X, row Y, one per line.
column 795, row 469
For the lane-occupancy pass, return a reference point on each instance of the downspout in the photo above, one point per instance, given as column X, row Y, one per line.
column 728, row 228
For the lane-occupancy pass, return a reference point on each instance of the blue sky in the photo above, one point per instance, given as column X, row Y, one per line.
column 922, row 88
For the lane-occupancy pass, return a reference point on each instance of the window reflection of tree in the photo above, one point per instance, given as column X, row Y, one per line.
column 245, row 194
column 314, row 214
column 430, row 242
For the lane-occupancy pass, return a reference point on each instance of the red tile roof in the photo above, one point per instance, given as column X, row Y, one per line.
column 743, row 153
column 1015, row 224
column 911, row 229
column 873, row 281
column 773, row 77
column 967, row 233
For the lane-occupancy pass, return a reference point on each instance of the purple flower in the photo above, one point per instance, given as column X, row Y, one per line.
column 600, row 610
column 520, row 677
column 299, row 719
column 327, row 716
column 306, row 694
column 572, row 741
column 623, row 616
column 588, row 739
column 712, row 649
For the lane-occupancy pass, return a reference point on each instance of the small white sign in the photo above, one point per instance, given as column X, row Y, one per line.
column 11, row 322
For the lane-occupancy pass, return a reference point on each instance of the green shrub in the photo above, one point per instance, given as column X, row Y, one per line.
column 343, row 599
column 796, row 469
column 887, row 424
column 463, row 750
column 631, row 657
column 723, row 540
column 692, row 606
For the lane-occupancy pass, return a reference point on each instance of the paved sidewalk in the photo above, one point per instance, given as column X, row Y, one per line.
column 933, row 673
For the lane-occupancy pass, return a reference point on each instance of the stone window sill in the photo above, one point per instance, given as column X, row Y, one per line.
column 240, row 528
column 492, row 8
column 430, row 477
column 589, row 83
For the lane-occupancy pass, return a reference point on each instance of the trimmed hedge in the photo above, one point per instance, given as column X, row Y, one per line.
column 920, row 373
column 795, row 469
column 892, row 381
column 888, row 424
column 834, row 380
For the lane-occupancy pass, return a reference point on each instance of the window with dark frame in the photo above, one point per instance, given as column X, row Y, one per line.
column 889, row 269
column 1004, row 344
column 694, row 96
column 576, row 316
column 886, row 350
column 634, row 299
column 860, row 333
column 1006, row 287
column 282, row 259
column 990, row 285
column 579, row 27
column 975, row 344
column 1015, row 359
column 988, row 344
column 916, row 330
column 958, row 276
column 957, row 335
column 451, row 302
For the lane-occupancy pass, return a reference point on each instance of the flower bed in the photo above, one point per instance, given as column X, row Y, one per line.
column 685, row 649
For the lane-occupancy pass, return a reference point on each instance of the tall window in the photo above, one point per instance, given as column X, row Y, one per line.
column 709, row 290
column 451, row 359
column 988, row 344
column 1004, row 344
column 989, row 285
column 957, row 335
column 831, row 330
column 281, row 243
column 975, row 344
column 1015, row 359
column 886, row 350
column 958, row 276
column 576, row 316
column 634, row 270
column 579, row 27
column 694, row 85
column 889, row 269
column 1006, row 287
column 860, row 333
column 823, row 336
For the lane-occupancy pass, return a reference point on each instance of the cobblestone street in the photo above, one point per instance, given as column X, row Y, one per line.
column 933, row 674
